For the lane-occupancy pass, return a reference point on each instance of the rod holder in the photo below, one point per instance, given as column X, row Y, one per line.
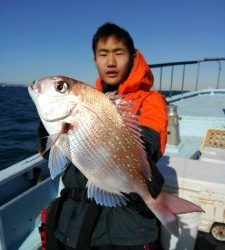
column 173, row 133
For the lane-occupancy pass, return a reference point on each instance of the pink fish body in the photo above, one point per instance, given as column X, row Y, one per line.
column 100, row 135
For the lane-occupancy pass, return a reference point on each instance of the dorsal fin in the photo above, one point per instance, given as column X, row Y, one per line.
column 125, row 108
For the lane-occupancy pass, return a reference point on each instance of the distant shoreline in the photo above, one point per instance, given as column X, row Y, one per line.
column 2, row 84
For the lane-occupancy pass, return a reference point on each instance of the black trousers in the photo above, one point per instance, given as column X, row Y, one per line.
column 54, row 244
column 151, row 246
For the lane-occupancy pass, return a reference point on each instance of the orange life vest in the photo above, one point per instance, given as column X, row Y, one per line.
column 150, row 103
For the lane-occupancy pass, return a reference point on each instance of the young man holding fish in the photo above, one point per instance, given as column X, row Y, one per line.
column 127, row 183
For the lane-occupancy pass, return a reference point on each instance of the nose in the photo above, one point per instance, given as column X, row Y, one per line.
column 111, row 60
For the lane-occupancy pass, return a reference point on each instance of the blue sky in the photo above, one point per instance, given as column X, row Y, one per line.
column 46, row 37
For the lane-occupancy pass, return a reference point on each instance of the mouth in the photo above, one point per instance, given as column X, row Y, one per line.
column 111, row 73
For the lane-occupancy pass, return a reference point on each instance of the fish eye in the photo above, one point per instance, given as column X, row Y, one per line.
column 61, row 87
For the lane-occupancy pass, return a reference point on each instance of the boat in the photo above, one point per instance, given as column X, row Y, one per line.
column 193, row 166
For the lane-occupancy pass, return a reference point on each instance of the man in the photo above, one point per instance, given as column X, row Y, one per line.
column 74, row 222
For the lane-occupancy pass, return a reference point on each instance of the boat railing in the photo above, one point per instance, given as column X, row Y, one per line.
column 181, row 87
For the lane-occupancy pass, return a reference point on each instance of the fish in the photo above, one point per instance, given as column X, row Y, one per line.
column 101, row 136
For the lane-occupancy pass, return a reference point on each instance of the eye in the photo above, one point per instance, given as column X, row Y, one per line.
column 102, row 54
column 61, row 87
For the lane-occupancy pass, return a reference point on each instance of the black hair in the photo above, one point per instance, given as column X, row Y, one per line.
column 110, row 29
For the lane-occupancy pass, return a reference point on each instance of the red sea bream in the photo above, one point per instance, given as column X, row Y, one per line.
column 101, row 136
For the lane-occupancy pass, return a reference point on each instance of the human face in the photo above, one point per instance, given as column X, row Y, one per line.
column 113, row 61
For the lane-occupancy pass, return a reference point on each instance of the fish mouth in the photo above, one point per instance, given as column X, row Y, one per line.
column 33, row 92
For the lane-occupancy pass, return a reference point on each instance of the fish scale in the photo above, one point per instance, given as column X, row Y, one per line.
column 99, row 164
column 81, row 146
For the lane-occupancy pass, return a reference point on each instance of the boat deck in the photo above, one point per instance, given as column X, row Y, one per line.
column 197, row 111
column 187, row 148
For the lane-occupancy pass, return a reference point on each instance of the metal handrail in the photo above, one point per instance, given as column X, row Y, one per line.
column 184, row 63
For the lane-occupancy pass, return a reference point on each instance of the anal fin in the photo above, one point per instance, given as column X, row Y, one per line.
column 105, row 198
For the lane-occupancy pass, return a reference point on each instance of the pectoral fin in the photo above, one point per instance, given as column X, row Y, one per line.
column 57, row 161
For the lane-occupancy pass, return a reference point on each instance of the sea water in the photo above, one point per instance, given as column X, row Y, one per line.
column 18, row 125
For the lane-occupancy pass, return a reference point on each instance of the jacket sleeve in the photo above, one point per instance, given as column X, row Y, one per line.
column 153, row 115
column 152, row 145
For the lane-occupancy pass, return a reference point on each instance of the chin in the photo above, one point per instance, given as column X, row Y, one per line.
column 112, row 82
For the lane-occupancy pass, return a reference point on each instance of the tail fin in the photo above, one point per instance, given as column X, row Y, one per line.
column 167, row 206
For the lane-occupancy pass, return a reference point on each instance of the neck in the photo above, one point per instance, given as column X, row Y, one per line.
column 108, row 88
